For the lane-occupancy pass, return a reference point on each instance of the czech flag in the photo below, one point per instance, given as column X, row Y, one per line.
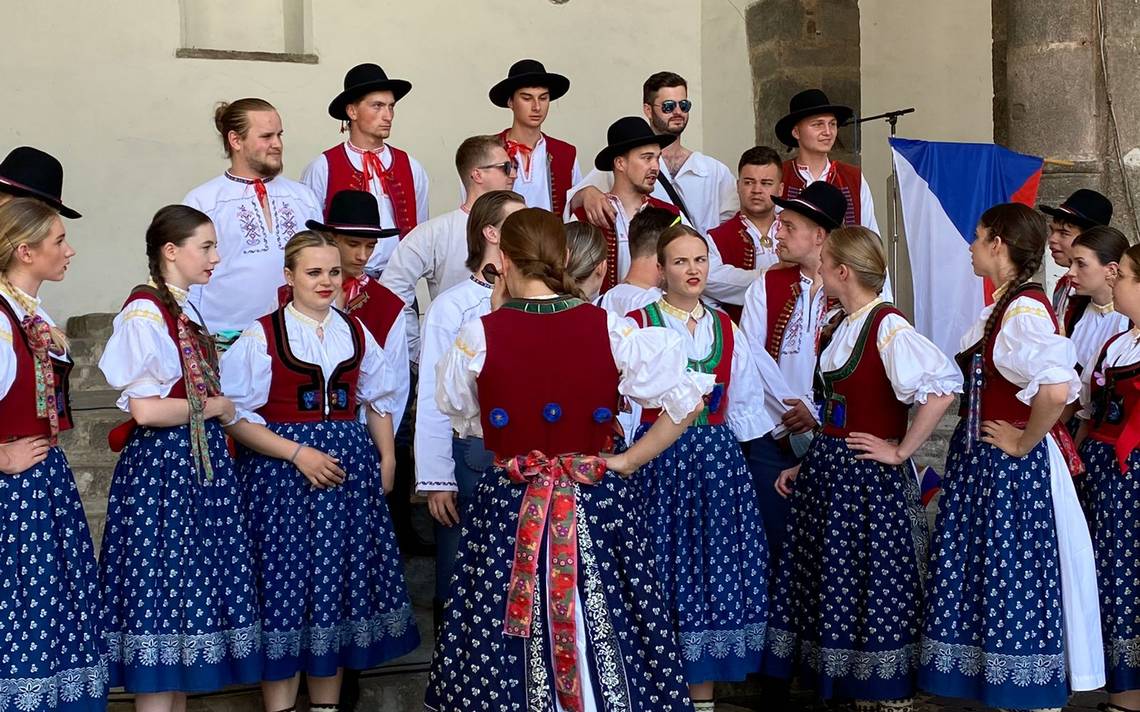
column 944, row 188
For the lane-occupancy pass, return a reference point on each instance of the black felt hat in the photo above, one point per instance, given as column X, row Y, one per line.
column 353, row 213
column 29, row 172
column 820, row 201
column 1084, row 208
column 626, row 134
column 362, row 79
column 528, row 73
column 810, row 102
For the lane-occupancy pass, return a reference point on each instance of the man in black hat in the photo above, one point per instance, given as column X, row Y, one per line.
column 783, row 313
column 700, row 186
column 1083, row 209
column 547, row 167
column 633, row 155
column 811, row 126
column 28, row 172
column 367, row 162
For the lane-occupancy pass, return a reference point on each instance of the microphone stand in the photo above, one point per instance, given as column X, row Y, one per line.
column 894, row 204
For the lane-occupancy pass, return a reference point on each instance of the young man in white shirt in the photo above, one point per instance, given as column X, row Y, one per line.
column 447, row 467
column 367, row 162
column 435, row 251
column 702, row 187
column 255, row 211
column 547, row 167
column 632, row 154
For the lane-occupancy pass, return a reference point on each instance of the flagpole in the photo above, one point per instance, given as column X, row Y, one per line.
column 894, row 204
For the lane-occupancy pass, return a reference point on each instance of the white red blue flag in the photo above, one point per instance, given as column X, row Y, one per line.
column 944, row 188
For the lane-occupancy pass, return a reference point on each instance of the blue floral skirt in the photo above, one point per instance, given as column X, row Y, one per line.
column 846, row 593
column 993, row 628
column 633, row 662
column 51, row 650
column 175, row 569
column 329, row 576
column 711, row 553
column 1112, row 506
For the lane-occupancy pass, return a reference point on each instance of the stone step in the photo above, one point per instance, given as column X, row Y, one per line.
column 94, row 326
column 86, row 443
column 87, row 377
column 86, row 351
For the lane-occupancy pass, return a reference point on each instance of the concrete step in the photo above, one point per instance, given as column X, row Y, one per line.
column 94, row 326
column 86, row 377
column 87, row 350
column 94, row 415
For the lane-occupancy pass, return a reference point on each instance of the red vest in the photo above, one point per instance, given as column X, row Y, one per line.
column 999, row 396
column 19, row 405
column 718, row 362
column 376, row 306
column 844, row 176
column 1116, row 401
column 559, row 169
column 858, row 396
column 781, row 289
column 737, row 249
column 178, row 390
column 558, row 395
column 401, row 189
column 298, row 392
column 612, row 278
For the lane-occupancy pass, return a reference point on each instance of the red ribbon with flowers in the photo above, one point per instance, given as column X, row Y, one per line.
column 551, row 496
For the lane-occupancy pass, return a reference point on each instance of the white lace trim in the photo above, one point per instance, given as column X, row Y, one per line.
column 181, row 649
column 34, row 693
column 998, row 668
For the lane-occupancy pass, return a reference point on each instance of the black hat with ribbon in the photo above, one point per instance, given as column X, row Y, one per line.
column 1084, row 208
column 363, row 79
column 528, row 73
column 626, row 134
column 29, row 172
column 810, row 102
column 353, row 213
column 820, row 201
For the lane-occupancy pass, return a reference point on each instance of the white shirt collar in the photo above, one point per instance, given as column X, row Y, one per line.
column 858, row 313
column 309, row 321
column 381, row 152
column 696, row 314
column 805, row 172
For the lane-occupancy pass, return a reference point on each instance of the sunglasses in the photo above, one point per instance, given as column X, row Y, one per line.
column 669, row 106
column 507, row 167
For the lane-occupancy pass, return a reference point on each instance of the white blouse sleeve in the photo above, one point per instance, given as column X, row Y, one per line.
column 1029, row 352
column 7, row 356
column 456, row 391
column 378, row 385
column 140, row 359
column 247, row 373
column 747, row 414
column 654, row 368
column 914, row 365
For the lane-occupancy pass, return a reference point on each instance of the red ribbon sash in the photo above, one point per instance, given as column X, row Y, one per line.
column 551, row 495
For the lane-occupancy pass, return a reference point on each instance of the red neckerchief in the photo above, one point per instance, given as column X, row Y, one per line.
column 352, row 287
column 520, row 153
column 371, row 167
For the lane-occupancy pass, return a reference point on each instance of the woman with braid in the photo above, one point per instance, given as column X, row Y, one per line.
column 175, row 569
column 1011, row 617
column 51, row 657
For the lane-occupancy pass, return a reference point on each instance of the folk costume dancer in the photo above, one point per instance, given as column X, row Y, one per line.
column 1089, row 317
column 1082, row 210
column 585, row 260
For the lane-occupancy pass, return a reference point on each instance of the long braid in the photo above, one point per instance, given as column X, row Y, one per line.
column 161, row 287
column 1024, row 232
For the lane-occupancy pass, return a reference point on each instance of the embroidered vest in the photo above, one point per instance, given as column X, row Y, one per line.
column 376, row 306
column 559, row 169
column 557, row 395
column 781, row 290
column 298, row 392
column 399, row 185
column 844, row 176
column 612, row 277
column 19, row 404
column 998, row 395
column 858, row 397
column 737, row 249
column 1116, row 401
column 717, row 362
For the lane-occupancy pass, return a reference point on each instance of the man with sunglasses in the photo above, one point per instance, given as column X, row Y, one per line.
column 367, row 162
column 547, row 167
column 702, row 187
column 436, row 250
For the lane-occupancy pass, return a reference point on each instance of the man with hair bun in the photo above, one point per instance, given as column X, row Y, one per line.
column 256, row 211
column 367, row 162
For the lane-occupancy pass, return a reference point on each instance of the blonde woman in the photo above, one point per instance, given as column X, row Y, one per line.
column 49, row 601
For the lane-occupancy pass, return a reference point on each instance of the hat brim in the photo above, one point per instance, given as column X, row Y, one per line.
column 360, row 231
column 20, row 190
column 785, row 125
column 398, row 87
column 1061, row 213
column 807, row 210
column 604, row 161
column 557, row 84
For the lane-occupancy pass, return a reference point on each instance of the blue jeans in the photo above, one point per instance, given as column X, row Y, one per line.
column 471, row 459
column 766, row 460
